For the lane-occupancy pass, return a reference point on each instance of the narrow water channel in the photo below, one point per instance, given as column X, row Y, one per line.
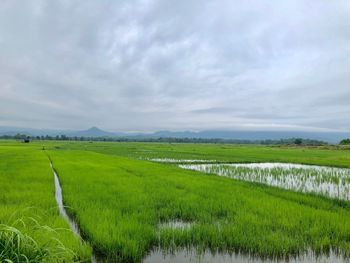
column 59, row 199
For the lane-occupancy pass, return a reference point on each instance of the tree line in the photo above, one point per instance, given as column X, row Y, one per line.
column 345, row 142
column 290, row 141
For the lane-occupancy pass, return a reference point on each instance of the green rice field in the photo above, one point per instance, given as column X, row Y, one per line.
column 31, row 229
column 131, row 199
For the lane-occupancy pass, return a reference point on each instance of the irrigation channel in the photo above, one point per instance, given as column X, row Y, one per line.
column 158, row 255
column 59, row 199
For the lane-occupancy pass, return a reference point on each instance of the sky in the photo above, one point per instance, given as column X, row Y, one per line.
column 175, row 65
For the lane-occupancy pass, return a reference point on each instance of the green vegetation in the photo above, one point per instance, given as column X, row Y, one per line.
column 31, row 229
column 290, row 141
column 326, row 181
column 123, row 203
column 119, row 204
column 324, row 155
column 345, row 142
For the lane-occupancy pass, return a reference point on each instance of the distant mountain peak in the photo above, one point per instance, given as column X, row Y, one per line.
column 94, row 128
column 93, row 132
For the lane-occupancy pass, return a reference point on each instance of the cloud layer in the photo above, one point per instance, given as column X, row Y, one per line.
column 149, row 65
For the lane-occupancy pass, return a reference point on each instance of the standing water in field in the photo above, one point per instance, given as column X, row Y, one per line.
column 59, row 200
column 327, row 181
column 191, row 256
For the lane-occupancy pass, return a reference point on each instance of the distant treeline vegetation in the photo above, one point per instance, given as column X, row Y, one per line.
column 345, row 142
column 290, row 141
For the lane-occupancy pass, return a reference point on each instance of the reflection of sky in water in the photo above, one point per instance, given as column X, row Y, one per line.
column 185, row 256
column 176, row 224
column 327, row 181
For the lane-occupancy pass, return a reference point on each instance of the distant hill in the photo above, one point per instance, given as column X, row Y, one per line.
column 92, row 132
column 330, row 137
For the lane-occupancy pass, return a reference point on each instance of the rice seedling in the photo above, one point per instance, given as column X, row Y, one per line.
column 327, row 181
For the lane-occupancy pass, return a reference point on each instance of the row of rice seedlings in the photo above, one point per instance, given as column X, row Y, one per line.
column 327, row 181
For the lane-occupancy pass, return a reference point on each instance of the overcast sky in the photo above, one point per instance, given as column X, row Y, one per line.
column 177, row 65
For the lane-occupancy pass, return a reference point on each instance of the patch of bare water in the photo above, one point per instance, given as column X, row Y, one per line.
column 191, row 256
column 176, row 224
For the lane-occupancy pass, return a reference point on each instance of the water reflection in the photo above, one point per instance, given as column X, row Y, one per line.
column 190, row 256
column 327, row 181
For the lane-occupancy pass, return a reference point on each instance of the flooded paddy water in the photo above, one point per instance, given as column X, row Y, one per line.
column 176, row 224
column 328, row 181
column 191, row 256
column 59, row 199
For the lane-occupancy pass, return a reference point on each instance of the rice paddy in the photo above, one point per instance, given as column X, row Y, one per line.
column 129, row 206
column 327, row 181
column 31, row 229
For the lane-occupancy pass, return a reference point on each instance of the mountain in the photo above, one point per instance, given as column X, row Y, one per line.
column 93, row 132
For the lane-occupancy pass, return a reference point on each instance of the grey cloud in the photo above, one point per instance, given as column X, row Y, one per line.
column 148, row 65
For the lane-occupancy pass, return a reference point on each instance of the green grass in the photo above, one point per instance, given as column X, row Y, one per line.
column 119, row 203
column 325, row 155
column 31, row 229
